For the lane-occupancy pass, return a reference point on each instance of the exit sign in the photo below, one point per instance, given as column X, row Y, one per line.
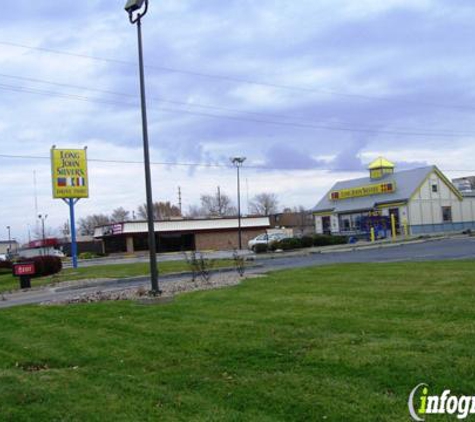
column 24, row 269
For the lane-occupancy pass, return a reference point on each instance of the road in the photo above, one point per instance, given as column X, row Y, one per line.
column 162, row 257
column 444, row 249
column 456, row 248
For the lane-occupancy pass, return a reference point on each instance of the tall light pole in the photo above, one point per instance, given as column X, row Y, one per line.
column 238, row 162
column 43, row 217
column 9, row 241
column 137, row 10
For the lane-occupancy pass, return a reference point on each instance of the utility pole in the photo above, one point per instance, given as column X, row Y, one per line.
column 43, row 217
column 220, row 210
column 179, row 200
column 238, row 162
column 9, row 241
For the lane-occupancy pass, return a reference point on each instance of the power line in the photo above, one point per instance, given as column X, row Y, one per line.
column 98, row 160
column 184, row 164
column 235, row 118
column 175, row 102
column 242, row 80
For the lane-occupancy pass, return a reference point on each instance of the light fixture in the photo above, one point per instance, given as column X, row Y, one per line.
column 133, row 5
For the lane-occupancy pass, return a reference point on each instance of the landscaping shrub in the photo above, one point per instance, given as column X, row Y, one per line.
column 260, row 248
column 289, row 244
column 339, row 240
column 199, row 266
column 88, row 255
column 239, row 263
column 327, row 240
column 5, row 265
column 46, row 265
column 307, row 241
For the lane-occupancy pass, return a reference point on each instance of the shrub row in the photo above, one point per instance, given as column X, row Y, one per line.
column 302, row 242
column 5, row 265
column 46, row 265
column 89, row 255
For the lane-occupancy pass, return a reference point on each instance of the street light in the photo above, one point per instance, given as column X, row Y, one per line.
column 238, row 162
column 9, row 241
column 43, row 217
column 137, row 10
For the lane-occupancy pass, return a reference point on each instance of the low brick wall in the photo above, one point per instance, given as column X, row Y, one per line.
column 225, row 240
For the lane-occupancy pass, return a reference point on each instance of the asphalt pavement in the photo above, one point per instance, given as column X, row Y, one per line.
column 443, row 249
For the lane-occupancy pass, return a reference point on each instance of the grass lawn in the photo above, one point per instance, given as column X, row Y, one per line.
column 336, row 343
column 8, row 282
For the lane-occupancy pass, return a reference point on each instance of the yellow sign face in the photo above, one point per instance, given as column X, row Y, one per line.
column 69, row 173
column 376, row 189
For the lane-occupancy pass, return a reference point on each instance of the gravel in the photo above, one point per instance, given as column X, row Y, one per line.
column 169, row 290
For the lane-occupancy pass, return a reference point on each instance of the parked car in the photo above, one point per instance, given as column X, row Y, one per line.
column 3, row 257
column 58, row 253
column 266, row 239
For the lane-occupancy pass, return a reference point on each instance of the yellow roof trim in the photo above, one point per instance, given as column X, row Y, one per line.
column 389, row 205
column 381, row 162
column 323, row 213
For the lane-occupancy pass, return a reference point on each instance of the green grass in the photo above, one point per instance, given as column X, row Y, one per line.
column 336, row 343
column 8, row 282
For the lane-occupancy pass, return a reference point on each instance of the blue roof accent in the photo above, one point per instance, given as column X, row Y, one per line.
column 407, row 182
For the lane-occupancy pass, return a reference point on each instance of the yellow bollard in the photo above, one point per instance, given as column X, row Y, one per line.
column 393, row 226
column 373, row 237
column 406, row 229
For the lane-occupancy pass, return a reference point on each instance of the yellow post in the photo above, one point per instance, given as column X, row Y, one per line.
column 393, row 226
column 373, row 237
column 406, row 228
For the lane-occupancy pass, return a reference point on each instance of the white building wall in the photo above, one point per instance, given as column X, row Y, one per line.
column 425, row 208
column 335, row 225
column 318, row 224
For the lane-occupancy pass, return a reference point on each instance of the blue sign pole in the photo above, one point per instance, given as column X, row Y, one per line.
column 74, row 247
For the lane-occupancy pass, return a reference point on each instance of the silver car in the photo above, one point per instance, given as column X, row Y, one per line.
column 266, row 239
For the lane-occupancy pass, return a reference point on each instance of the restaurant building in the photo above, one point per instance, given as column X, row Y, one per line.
column 181, row 234
column 422, row 200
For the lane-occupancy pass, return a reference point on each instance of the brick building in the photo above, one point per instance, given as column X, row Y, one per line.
column 8, row 246
column 181, row 234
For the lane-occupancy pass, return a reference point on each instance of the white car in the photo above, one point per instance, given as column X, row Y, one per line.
column 58, row 253
column 3, row 257
column 266, row 239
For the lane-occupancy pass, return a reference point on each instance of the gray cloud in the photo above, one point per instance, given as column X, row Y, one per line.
column 412, row 55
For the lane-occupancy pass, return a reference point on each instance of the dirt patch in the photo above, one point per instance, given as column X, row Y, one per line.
column 32, row 367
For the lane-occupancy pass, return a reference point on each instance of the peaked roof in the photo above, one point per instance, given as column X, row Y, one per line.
column 407, row 182
column 381, row 162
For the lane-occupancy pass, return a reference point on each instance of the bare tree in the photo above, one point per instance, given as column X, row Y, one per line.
column 161, row 211
column 264, row 204
column 87, row 225
column 49, row 232
column 65, row 229
column 120, row 215
column 195, row 211
column 218, row 205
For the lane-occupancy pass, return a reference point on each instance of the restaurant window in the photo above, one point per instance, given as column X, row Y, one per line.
column 447, row 214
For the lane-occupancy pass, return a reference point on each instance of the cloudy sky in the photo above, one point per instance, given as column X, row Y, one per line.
column 308, row 91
